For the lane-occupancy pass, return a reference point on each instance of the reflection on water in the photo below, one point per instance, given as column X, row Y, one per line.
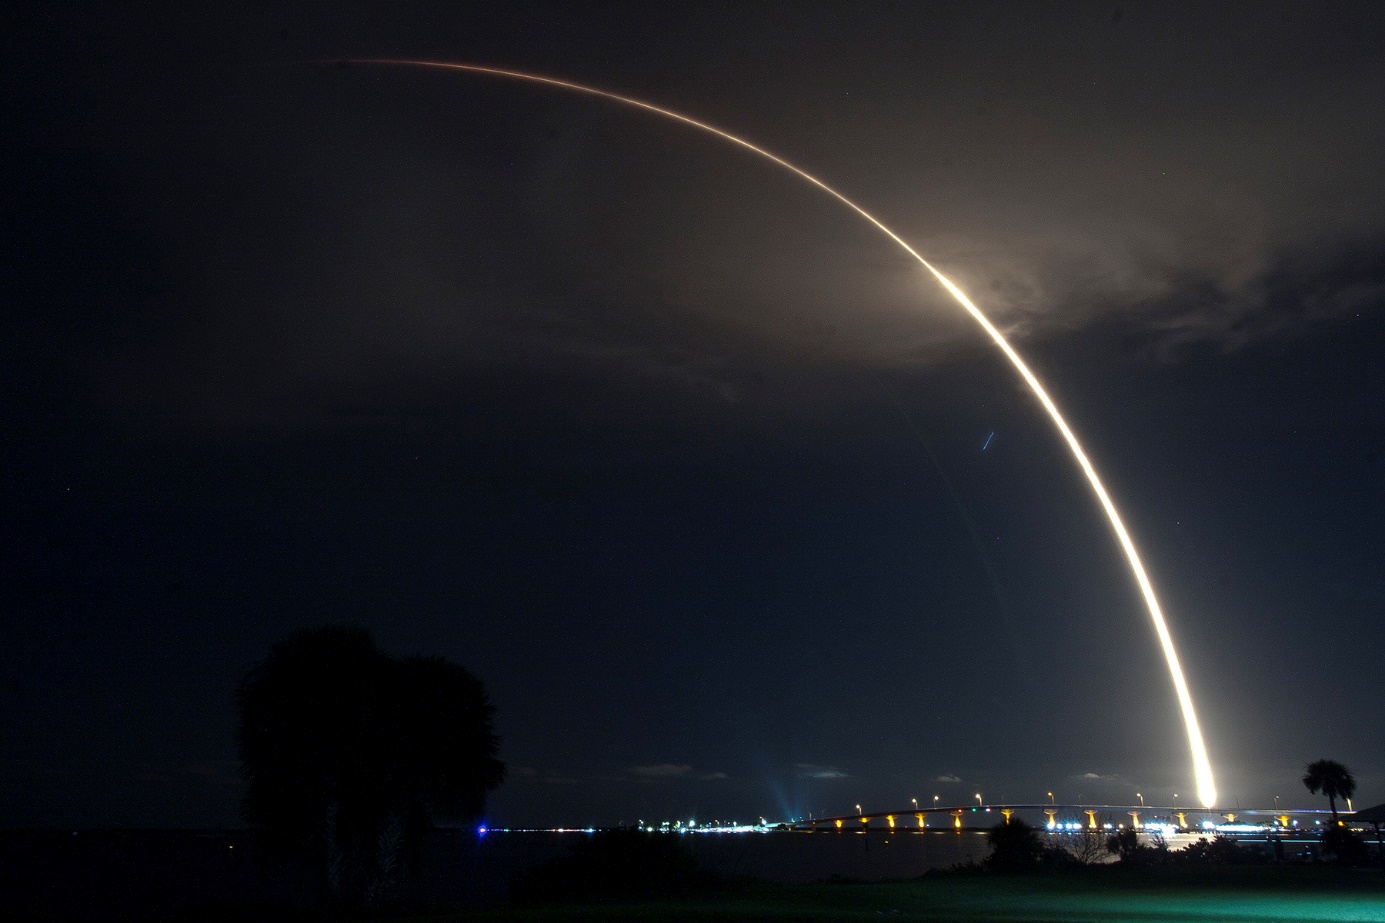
column 101, row 875
column 801, row 857
column 779, row 856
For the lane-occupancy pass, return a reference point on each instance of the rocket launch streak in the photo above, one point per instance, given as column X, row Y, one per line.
column 1202, row 768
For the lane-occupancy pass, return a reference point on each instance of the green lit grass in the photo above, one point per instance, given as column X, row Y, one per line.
column 1232, row 896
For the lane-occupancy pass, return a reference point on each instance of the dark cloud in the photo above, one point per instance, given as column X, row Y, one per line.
column 547, row 777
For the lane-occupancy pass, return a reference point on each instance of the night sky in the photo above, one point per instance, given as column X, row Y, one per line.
column 676, row 453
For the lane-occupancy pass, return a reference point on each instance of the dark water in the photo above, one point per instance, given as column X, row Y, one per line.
column 134, row 875
column 782, row 857
column 139, row 875
column 801, row 857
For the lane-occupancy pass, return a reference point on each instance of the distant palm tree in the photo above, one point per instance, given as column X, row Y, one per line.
column 1332, row 779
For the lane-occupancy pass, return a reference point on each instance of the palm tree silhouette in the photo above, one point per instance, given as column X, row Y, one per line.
column 1332, row 779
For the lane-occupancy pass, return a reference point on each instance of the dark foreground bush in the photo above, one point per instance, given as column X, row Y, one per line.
column 1343, row 844
column 1126, row 846
column 1018, row 847
column 615, row 865
column 1220, row 850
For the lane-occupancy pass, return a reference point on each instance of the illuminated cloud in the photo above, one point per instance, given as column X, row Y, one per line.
column 1096, row 777
column 814, row 771
column 948, row 778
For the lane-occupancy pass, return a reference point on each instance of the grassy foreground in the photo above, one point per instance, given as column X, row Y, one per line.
column 1260, row 895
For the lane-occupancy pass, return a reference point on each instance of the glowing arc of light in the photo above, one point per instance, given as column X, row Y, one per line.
column 1202, row 767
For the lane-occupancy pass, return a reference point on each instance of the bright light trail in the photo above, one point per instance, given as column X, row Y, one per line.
column 1202, row 768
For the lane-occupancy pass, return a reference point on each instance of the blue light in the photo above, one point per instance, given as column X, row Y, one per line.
column 482, row 830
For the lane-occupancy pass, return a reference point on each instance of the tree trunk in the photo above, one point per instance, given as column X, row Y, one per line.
column 334, row 860
column 385, row 864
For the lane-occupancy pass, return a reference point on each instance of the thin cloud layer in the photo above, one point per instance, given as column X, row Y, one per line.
column 675, row 771
column 815, row 771
column 1097, row 777
column 1073, row 189
column 662, row 771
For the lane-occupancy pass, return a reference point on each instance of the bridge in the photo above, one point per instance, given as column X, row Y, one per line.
column 1091, row 816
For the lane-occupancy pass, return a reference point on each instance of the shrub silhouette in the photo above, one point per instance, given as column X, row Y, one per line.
column 1015, row 846
column 1220, row 850
column 1125, row 844
column 1345, row 845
